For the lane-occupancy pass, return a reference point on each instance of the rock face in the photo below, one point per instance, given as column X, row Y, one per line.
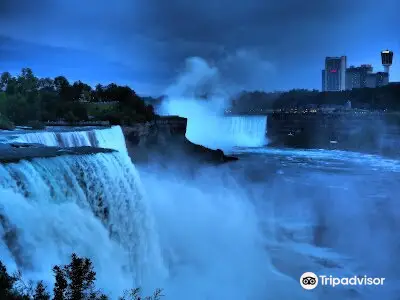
column 165, row 138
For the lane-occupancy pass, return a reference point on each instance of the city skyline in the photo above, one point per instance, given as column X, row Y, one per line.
column 338, row 75
column 255, row 45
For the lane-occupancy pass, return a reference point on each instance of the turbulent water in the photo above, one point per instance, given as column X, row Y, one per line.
column 93, row 205
column 245, row 230
column 338, row 208
column 111, row 138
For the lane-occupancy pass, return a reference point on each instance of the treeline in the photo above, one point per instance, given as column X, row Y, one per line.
column 28, row 99
column 386, row 97
column 75, row 281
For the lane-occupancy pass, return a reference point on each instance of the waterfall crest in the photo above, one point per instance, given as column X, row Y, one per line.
column 93, row 205
column 111, row 138
column 227, row 131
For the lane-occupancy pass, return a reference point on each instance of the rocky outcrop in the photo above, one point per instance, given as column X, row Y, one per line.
column 15, row 152
column 165, row 138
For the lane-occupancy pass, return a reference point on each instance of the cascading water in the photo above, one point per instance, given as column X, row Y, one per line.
column 207, row 123
column 228, row 132
column 93, row 205
column 110, row 138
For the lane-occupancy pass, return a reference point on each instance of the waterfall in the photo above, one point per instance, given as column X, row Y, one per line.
column 111, row 138
column 227, row 132
column 93, row 205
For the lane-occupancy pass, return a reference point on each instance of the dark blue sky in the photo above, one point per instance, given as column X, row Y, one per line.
column 256, row 44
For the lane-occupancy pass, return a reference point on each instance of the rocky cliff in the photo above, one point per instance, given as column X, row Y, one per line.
column 164, row 138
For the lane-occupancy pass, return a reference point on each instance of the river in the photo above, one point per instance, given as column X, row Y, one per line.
column 243, row 230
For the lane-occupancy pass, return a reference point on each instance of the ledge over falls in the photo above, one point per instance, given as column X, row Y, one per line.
column 15, row 152
column 165, row 138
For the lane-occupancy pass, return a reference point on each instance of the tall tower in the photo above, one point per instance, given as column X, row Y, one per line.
column 387, row 59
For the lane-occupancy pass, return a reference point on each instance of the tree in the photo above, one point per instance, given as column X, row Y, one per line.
column 6, row 283
column 4, row 80
column 26, row 99
column 98, row 93
column 80, row 92
column 76, row 280
column 60, row 83
column 7, row 286
column 11, row 86
column 46, row 83
column 40, row 292
column 3, row 104
column 63, row 88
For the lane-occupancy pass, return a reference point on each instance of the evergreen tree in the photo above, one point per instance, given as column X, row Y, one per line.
column 40, row 292
column 75, row 281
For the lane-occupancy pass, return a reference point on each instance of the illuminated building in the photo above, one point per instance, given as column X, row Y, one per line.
column 334, row 74
column 356, row 77
column 353, row 78
column 387, row 59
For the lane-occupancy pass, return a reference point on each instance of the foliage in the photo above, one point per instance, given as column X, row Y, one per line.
column 134, row 294
column 385, row 97
column 6, row 124
column 75, row 281
column 36, row 125
column 26, row 98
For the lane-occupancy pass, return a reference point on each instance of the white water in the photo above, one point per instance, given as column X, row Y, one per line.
column 206, row 225
column 93, row 205
column 207, row 124
column 111, row 138
column 212, row 242
column 227, row 132
column 206, row 243
column 197, row 238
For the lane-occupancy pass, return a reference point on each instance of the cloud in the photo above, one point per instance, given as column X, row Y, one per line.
column 285, row 37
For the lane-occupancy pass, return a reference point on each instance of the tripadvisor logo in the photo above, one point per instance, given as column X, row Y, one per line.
column 310, row 280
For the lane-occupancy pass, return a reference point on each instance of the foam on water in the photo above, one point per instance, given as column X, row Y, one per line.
column 92, row 205
column 206, row 242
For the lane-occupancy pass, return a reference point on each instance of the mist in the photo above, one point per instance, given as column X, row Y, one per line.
column 275, row 215
column 200, row 95
column 212, row 243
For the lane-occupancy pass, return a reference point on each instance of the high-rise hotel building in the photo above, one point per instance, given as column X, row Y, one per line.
column 334, row 74
column 358, row 77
